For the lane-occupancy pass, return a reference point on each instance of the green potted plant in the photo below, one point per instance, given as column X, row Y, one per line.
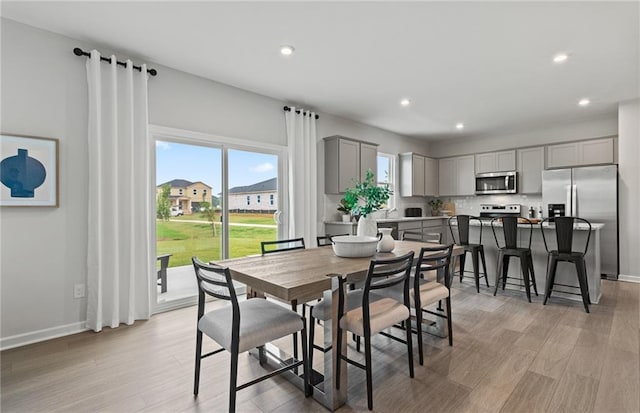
column 436, row 207
column 366, row 197
column 347, row 203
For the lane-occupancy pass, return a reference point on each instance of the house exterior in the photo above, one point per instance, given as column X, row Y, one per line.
column 186, row 195
column 261, row 197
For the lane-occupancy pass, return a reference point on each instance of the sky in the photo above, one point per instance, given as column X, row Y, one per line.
column 202, row 163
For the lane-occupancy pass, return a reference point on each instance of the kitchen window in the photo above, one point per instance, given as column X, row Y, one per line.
column 386, row 175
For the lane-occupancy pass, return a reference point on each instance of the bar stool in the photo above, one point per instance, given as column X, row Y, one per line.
column 564, row 227
column 476, row 250
column 511, row 249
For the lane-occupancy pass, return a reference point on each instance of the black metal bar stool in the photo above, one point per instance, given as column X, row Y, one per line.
column 476, row 250
column 564, row 227
column 511, row 249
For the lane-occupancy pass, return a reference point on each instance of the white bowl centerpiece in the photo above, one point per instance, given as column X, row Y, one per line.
column 354, row 246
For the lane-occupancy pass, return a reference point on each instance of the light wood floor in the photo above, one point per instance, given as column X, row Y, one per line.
column 508, row 355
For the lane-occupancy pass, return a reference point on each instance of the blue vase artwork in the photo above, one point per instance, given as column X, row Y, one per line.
column 22, row 174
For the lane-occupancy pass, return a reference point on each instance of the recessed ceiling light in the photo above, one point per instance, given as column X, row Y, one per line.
column 560, row 58
column 286, row 50
column 459, row 125
column 584, row 102
column 405, row 102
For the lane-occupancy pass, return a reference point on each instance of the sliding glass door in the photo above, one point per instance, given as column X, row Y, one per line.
column 213, row 201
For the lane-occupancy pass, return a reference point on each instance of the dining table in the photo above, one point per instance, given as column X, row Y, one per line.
column 306, row 275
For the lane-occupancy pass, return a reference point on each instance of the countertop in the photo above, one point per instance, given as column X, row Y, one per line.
column 391, row 220
column 579, row 227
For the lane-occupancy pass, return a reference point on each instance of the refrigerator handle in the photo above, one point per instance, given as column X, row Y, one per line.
column 574, row 200
column 568, row 206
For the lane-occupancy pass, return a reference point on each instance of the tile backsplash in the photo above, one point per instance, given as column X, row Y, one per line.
column 470, row 205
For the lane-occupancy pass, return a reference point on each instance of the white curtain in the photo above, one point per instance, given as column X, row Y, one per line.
column 118, row 254
column 303, row 183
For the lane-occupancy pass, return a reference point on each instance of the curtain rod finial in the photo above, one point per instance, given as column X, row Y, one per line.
column 78, row 51
column 153, row 72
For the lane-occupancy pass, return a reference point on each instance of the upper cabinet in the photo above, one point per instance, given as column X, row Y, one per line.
column 530, row 167
column 591, row 152
column 456, row 176
column 495, row 162
column 347, row 160
column 418, row 175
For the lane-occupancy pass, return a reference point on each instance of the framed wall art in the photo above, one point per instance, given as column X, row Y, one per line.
column 28, row 171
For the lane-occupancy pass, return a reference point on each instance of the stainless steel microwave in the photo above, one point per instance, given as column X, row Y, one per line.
column 497, row 183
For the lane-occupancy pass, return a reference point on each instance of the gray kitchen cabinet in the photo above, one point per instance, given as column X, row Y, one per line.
column 430, row 177
column 530, row 167
column 495, row 161
column 591, row 152
column 346, row 161
column 418, row 175
column 456, row 176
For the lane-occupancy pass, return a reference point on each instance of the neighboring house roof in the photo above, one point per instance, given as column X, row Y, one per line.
column 181, row 183
column 264, row 186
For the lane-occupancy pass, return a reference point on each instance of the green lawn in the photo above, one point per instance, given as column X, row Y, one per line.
column 186, row 239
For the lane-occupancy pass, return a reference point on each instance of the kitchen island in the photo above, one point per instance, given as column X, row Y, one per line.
column 566, row 272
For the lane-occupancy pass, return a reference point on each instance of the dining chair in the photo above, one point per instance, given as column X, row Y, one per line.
column 461, row 237
column 376, row 313
column 325, row 240
column 284, row 245
column 241, row 326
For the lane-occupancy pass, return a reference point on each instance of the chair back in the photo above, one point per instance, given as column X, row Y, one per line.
column 436, row 259
column 510, row 231
column 325, row 240
column 215, row 281
column 386, row 273
column 564, row 227
column 432, row 237
column 461, row 222
column 268, row 247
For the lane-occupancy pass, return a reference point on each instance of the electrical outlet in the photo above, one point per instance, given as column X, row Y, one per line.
column 78, row 291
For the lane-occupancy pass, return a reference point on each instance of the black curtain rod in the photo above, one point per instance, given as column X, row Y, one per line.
column 79, row 52
column 288, row 109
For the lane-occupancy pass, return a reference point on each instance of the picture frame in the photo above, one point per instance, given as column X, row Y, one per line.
column 29, row 173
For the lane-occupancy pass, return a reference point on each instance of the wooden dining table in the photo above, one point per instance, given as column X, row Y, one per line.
column 305, row 275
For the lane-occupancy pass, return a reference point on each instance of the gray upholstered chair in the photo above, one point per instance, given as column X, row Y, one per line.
column 377, row 313
column 241, row 326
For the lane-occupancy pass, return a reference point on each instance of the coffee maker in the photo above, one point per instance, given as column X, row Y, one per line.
column 556, row 210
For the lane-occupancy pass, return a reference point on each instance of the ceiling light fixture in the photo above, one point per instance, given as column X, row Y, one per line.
column 405, row 102
column 584, row 102
column 459, row 125
column 560, row 58
column 286, row 50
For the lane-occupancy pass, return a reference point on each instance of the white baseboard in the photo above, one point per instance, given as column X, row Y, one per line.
column 629, row 278
column 41, row 335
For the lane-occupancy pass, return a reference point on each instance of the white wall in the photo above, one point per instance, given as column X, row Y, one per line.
column 44, row 93
column 629, row 188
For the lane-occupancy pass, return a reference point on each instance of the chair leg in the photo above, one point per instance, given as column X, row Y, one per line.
column 484, row 265
column 339, row 358
column 582, row 280
column 449, row 321
column 551, row 276
column 499, row 271
column 419, row 335
column 306, row 370
column 410, row 346
column 367, row 357
column 505, row 270
column 462, row 259
column 524, row 266
column 196, row 380
column 233, row 381
column 532, row 273
column 312, row 331
column 294, row 307
column 476, row 269
column 358, row 344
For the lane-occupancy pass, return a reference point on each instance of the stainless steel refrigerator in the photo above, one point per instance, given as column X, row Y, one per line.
column 589, row 192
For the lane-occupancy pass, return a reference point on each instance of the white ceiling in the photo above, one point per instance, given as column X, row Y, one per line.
column 486, row 64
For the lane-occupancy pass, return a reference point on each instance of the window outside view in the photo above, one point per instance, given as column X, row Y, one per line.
column 189, row 209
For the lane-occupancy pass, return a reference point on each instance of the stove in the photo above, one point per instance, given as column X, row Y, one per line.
column 490, row 211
